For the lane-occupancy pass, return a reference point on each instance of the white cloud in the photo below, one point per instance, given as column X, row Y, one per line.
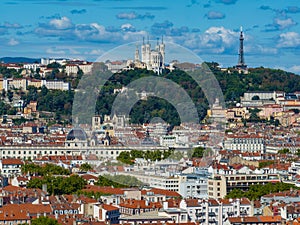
column 128, row 16
column 213, row 40
column 62, row 23
column 13, row 42
column 55, row 51
column 96, row 32
column 134, row 15
column 289, row 39
column 214, row 15
column 259, row 49
column 294, row 69
column 127, row 27
column 97, row 52
column 284, row 23
column 73, row 51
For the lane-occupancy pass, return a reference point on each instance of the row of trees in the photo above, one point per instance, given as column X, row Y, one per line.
column 257, row 191
column 128, row 157
column 59, row 185
column 45, row 170
column 118, row 181
column 43, row 221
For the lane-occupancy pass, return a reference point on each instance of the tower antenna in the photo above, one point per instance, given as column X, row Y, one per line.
column 241, row 61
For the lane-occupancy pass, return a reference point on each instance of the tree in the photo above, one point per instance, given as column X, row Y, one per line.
column 198, row 152
column 85, row 167
column 53, row 65
column 10, row 95
column 258, row 190
column 44, row 221
column 59, row 185
column 103, row 181
column 47, row 170
column 253, row 115
column 3, row 94
column 124, row 180
column 284, row 151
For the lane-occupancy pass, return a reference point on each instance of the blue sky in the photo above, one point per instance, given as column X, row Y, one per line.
column 210, row 28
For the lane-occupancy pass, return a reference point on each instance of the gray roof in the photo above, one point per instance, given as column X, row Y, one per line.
column 153, row 215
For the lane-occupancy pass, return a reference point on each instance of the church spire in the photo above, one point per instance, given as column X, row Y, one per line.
column 137, row 54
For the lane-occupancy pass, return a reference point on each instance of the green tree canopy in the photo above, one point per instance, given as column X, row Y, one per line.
column 256, row 191
column 44, row 221
column 85, row 167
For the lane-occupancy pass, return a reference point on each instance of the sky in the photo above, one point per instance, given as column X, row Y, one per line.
column 210, row 28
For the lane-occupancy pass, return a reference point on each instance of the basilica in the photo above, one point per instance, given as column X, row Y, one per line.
column 151, row 59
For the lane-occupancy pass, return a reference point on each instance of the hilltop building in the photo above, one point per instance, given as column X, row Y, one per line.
column 152, row 59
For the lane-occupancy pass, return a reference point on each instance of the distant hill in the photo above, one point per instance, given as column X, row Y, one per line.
column 19, row 60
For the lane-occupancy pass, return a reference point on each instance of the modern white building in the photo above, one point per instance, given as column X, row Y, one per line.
column 10, row 167
column 193, row 186
column 213, row 211
column 56, row 85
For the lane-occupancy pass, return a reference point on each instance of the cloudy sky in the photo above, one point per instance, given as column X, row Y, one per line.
column 86, row 29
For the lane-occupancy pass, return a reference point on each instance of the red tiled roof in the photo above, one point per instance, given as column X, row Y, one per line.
column 12, row 162
column 139, row 204
column 109, row 207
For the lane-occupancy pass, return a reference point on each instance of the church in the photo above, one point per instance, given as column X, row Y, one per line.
column 151, row 59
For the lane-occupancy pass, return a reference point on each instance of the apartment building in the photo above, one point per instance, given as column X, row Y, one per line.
column 207, row 211
column 10, row 167
column 244, row 143
column 193, row 185
column 219, row 185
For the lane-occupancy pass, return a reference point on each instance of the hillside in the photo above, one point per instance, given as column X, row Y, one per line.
column 18, row 60
column 233, row 85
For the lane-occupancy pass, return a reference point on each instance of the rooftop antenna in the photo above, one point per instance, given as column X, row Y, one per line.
column 162, row 39
column 143, row 40
column 148, row 39
column 157, row 41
